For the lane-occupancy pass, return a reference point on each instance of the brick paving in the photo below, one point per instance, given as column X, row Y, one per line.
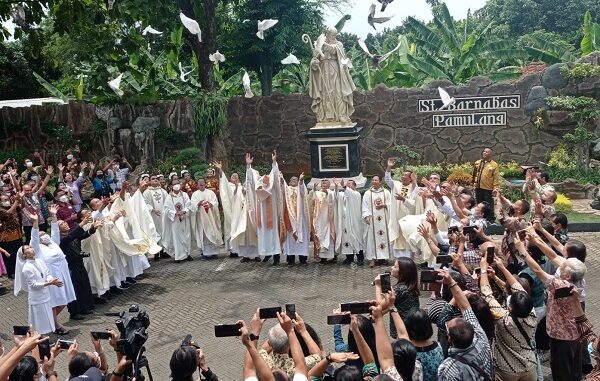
column 193, row 296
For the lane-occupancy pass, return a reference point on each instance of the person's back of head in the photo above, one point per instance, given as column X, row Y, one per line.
column 405, row 355
column 314, row 335
column 26, row 370
column 184, row 363
column 383, row 377
column 418, row 325
column 278, row 340
column 484, row 315
column 575, row 268
column 280, row 375
column 79, row 364
column 520, row 304
column 347, row 373
column 576, row 249
column 460, row 333
column 365, row 326
column 560, row 219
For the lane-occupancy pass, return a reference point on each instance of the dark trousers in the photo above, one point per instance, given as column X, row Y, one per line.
column 291, row 259
column 27, row 231
column 360, row 257
column 482, row 195
column 10, row 262
column 565, row 360
column 542, row 341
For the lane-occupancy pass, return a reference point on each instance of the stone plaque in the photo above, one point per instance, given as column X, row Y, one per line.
column 333, row 157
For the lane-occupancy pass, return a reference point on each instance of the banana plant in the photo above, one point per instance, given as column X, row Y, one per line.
column 591, row 35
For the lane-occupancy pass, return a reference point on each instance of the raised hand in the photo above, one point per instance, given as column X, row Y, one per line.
column 423, row 231
column 301, row 177
column 50, row 170
column 391, row 162
column 217, row 164
column 299, row 323
column 285, row 322
column 343, row 356
column 83, row 165
column 92, row 166
column 60, row 167
column 249, row 159
column 53, row 209
column 430, row 216
column 32, row 216
column 274, row 156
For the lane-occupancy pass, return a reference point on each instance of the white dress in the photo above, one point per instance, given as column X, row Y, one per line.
column 377, row 242
column 57, row 265
column 35, row 275
column 178, row 232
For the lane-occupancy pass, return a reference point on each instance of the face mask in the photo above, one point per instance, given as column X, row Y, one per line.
column 6, row 204
column 69, row 157
column 34, row 178
column 176, row 187
column 100, row 176
column 45, row 240
column 29, row 164
column 511, row 211
column 63, row 199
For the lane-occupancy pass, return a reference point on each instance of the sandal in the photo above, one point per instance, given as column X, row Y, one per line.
column 61, row 331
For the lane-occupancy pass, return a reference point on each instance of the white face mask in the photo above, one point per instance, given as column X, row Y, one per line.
column 63, row 199
column 176, row 187
column 29, row 164
column 45, row 240
column 6, row 204
column 69, row 157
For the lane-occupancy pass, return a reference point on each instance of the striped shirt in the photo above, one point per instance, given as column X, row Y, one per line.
column 512, row 352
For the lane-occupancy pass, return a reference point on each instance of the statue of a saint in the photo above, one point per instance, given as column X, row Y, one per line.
column 330, row 84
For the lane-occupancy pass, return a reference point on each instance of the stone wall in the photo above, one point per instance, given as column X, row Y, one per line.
column 388, row 116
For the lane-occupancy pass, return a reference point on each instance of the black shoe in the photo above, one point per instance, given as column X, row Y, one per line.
column 77, row 317
column 347, row 261
column 334, row 259
column 3, row 290
column 164, row 255
column 100, row 300
column 125, row 285
column 156, row 257
column 233, row 255
column 11, row 276
column 290, row 264
column 323, row 260
column 360, row 263
column 244, row 260
column 115, row 290
column 130, row 280
column 266, row 259
column 61, row 331
column 87, row 312
column 303, row 262
column 257, row 259
column 189, row 258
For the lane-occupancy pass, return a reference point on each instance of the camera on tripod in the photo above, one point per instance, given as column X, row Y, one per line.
column 132, row 325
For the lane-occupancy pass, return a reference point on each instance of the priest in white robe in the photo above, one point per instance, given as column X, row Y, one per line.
column 239, row 225
column 265, row 203
column 349, row 223
column 155, row 197
column 324, row 222
column 98, row 245
column 405, row 195
column 177, row 224
column 375, row 213
column 207, row 228
column 296, row 220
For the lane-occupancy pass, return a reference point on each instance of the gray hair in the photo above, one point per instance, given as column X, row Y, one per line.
column 278, row 339
column 576, row 269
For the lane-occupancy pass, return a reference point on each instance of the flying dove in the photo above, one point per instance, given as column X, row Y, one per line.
column 372, row 20
column 246, row 82
column 182, row 75
column 384, row 4
column 446, row 100
column 340, row 24
column 150, row 30
column 264, row 25
column 376, row 59
column 114, row 84
column 290, row 59
column 191, row 25
column 216, row 57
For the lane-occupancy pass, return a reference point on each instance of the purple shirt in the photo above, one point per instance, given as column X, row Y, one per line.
column 74, row 188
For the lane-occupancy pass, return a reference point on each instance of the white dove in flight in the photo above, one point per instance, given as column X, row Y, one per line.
column 150, row 30
column 114, row 84
column 216, row 57
column 191, row 25
column 290, row 59
column 246, row 82
column 264, row 25
column 446, row 100
column 182, row 75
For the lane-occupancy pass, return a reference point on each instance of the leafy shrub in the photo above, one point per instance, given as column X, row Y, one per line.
column 581, row 70
column 581, row 175
column 511, row 170
column 188, row 156
column 19, row 155
column 461, row 178
column 563, row 204
column 512, row 193
column 464, row 167
column 198, row 170
column 561, row 158
column 240, row 169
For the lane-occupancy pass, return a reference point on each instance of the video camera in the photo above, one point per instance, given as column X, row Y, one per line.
column 132, row 325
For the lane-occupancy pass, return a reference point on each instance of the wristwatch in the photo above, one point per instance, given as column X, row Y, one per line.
column 393, row 309
column 253, row 337
column 328, row 358
column 116, row 374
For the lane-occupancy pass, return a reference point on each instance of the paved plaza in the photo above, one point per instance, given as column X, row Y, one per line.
column 192, row 297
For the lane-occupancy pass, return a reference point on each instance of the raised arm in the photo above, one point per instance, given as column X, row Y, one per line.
column 297, row 355
column 459, row 296
column 533, row 265
column 254, row 364
column 44, row 184
column 382, row 339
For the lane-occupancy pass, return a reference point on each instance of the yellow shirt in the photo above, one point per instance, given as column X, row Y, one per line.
column 485, row 174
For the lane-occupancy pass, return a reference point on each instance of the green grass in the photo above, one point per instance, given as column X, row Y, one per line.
column 582, row 217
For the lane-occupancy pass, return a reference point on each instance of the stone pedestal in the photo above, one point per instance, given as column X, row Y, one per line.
column 334, row 152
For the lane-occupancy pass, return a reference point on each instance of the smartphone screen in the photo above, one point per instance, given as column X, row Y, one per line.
column 44, row 349
column 356, row 308
column 101, row 335
column 429, row 276
column 386, row 283
column 338, row 319
column 468, row 229
column 269, row 313
column 65, row 344
column 20, row 330
column 227, row 330
column 563, row 292
column 522, row 234
column 443, row 259
column 290, row 310
column 490, row 255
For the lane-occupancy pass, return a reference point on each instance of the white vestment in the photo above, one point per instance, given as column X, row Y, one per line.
column 377, row 242
column 178, row 230
column 32, row 278
column 242, row 234
column 349, row 222
column 324, row 222
column 296, row 204
column 98, row 265
column 155, row 199
column 206, row 221
column 57, row 265
column 399, row 209
column 264, row 204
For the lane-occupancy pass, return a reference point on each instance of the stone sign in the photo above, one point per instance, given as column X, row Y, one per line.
column 479, row 119
column 333, row 157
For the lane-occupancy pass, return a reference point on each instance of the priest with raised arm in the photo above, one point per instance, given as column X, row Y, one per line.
column 155, row 197
column 404, row 195
column 296, row 220
column 375, row 213
column 206, row 221
column 324, row 222
column 349, row 224
column 265, row 200
column 177, row 225
column 240, row 228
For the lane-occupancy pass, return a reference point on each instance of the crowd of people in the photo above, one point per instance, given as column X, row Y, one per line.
column 500, row 308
